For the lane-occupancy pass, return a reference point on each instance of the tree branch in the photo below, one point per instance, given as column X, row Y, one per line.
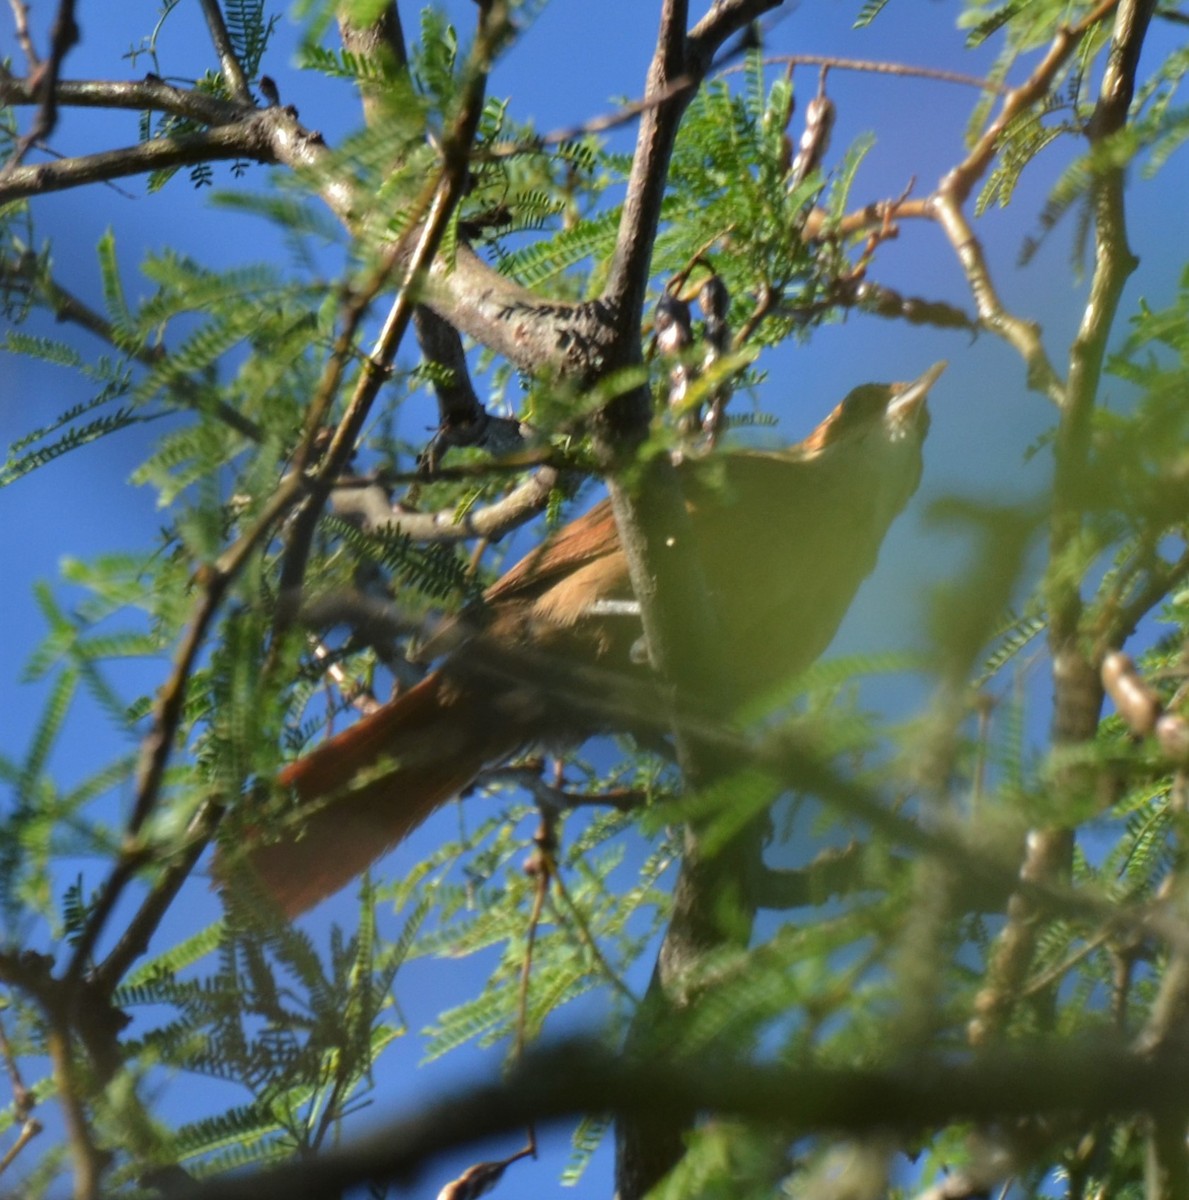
column 250, row 139
column 63, row 37
column 372, row 508
column 574, row 1078
column 151, row 93
column 961, row 180
column 1077, row 688
column 427, row 228
column 462, row 419
column 628, row 275
column 233, row 71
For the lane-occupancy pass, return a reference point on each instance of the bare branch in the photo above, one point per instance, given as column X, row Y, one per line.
column 677, row 615
column 725, row 19
column 1162, row 577
column 44, row 79
column 20, row 20
column 875, row 67
column 151, row 94
column 462, row 419
column 646, row 180
column 1023, row 335
column 249, row 139
column 629, row 112
column 383, row 38
column 371, row 507
column 580, row 1077
column 24, row 1100
column 88, row 1162
column 137, row 934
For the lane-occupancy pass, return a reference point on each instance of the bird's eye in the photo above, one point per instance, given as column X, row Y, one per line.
column 863, row 405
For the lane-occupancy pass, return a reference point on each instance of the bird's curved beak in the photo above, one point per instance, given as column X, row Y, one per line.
column 908, row 401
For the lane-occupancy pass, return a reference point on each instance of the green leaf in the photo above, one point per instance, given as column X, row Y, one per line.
column 113, row 290
column 870, row 10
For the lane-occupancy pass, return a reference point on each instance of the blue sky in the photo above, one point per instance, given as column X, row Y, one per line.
column 574, row 61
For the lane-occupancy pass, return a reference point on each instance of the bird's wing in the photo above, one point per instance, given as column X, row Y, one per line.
column 582, row 564
column 579, row 544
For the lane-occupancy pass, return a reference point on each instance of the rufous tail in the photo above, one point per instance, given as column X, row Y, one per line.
column 366, row 789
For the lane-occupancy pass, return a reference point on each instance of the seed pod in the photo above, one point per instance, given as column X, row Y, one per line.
column 714, row 301
column 815, row 138
column 1137, row 702
column 674, row 334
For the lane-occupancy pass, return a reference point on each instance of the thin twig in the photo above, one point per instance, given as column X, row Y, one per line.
column 88, row 1162
column 1159, row 582
column 1046, row 979
column 569, row 133
column 371, row 506
column 248, row 139
column 20, row 20
column 959, row 182
column 875, row 67
column 23, row 1103
column 620, row 799
column 66, row 306
column 587, row 939
column 30, row 1128
column 134, row 940
column 1023, row 336
column 1077, row 688
column 157, row 746
column 44, row 81
column 541, row 868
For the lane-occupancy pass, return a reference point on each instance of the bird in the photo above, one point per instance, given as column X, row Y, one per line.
column 784, row 539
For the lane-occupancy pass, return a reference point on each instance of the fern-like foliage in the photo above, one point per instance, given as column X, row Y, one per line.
column 870, row 10
column 257, row 1005
column 436, row 570
column 886, row 867
column 249, row 29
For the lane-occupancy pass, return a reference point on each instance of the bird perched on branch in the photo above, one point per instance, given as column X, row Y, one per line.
column 784, row 541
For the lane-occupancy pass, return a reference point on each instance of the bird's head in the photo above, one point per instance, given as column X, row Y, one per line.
column 888, row 414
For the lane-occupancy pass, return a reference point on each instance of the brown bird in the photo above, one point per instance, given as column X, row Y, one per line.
column 785, row 539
